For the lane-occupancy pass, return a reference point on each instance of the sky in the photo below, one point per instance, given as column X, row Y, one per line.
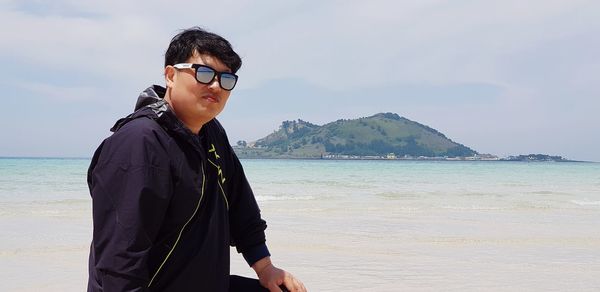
column 502, row 77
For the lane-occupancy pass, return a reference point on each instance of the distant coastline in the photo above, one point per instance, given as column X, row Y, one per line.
column 484, row 158
column 507, row 159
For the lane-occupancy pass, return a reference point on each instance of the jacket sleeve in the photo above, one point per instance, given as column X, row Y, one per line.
column 247, row 226
column 130, row 184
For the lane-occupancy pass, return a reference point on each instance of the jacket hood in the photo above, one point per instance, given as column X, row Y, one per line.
column 150, row 103
column 150, row 95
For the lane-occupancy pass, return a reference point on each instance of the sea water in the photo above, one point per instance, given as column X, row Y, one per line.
column 349, row 225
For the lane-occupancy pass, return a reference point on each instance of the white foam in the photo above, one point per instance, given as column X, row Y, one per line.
column 483, row 208
column 586, row 203
column 283, row 198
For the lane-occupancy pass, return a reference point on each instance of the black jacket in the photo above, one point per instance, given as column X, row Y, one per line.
column 167, row 204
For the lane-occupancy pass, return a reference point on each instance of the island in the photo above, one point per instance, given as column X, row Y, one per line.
column 381, row 136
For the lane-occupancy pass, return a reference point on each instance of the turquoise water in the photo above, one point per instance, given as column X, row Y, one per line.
column 431, row 184
column 349, row 225
column 415, row 183
column 42, row 179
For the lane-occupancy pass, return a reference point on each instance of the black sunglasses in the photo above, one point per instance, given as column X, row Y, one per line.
column 206, row 75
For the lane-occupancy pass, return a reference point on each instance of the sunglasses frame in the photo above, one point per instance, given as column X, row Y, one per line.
column 216, row 73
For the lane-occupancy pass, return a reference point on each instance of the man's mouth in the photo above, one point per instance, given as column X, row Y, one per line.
column 211, row 98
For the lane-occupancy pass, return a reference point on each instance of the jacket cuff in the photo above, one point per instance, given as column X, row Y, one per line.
column 255, row 253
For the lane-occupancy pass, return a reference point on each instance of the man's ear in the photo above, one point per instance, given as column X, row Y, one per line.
column 169, row 76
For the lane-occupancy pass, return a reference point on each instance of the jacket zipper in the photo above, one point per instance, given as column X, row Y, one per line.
column 182, row 228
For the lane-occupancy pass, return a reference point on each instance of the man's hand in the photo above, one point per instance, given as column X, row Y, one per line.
column 272, row 277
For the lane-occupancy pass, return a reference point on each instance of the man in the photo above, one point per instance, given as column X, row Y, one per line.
column 169, row 195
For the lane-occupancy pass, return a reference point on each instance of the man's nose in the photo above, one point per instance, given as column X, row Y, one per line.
column 214, row 84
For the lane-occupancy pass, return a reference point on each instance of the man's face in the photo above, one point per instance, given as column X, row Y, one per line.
column 195, row 103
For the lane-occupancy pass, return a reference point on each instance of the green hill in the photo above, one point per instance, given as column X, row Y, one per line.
column 377, row 135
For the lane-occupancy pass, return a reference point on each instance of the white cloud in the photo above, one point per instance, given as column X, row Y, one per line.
column 60, row 93
column 436, row 42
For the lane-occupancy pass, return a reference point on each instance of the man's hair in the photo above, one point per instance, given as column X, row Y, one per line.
column 197, row 40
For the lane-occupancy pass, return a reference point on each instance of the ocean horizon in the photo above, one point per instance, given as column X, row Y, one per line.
column 356, row 225
column 567, row 160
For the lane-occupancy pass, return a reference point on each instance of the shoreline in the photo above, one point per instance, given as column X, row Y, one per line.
column 415, row 159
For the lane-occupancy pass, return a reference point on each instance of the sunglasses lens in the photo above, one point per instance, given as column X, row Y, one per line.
column 205, row 75
column 228, row 81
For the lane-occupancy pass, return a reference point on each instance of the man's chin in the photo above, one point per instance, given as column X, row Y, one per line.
column 213, row 113
column 208, row 115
